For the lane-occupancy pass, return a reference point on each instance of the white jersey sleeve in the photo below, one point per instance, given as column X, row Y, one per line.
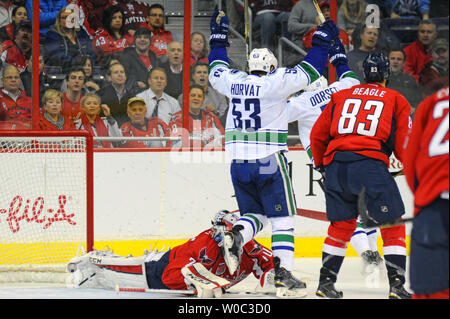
column 305, row 108
column 257, row 119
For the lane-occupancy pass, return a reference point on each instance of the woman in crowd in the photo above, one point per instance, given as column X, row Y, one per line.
column 51, row 118
column 18, row 14
column 199, row 49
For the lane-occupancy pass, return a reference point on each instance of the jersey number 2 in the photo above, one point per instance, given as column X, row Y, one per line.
column 438, row 144
column 348, row 119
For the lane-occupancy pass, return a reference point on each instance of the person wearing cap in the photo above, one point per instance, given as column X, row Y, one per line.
column 435, row 74
column 138, row 59
column 140, row 126
column 17, row 51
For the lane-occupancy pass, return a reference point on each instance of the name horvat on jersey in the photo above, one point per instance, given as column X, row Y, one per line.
column 322, row 96
column 245, row 89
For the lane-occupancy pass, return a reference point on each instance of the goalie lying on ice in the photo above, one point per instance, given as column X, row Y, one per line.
column 197, row 264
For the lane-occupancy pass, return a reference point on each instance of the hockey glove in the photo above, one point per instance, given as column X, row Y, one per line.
column 337, row 53
column 219, row 30
column 325, row 34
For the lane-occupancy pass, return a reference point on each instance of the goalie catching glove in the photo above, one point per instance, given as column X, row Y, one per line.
column 205, row 283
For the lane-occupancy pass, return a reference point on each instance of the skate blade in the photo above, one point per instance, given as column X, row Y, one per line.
column 283, row 292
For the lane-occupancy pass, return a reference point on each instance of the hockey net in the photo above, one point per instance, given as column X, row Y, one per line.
column 46, row 204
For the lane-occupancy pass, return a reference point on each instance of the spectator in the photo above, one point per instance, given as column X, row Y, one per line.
column 51, row 118
column 91, row 121
column 435, row 74
column 71, row 108
column 18, row 14
column 204, row 128
column 139, row 59
column 15, row 102
column 199, row 49
column 267, row 16
column 140, row 126
column 90, row 84
column 48, row 12
column 18, row 51
column 26, row 77
column 94, row 12
column 417, row 53
column 350, row 14
column 135, row 13
column 410, row 9
column 64, row 42
column 117, row 93
column 369, row 38
column 45, row 83
column 213, row 101
column 112, row 37
column 160, row 36
column 174, row 69
column 301, row 19
column 6, row 8
column 401, row 82
column 159, row 104
column 343, row 35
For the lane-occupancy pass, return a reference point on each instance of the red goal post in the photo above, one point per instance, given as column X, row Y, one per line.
column 46, row 201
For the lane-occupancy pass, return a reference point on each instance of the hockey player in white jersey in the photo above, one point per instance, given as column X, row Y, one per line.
column 305, row 108
column 256, row 138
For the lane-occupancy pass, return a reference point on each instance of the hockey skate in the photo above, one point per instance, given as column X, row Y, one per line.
column 232, row 248
column 287, row 286
column 397, row 290
column 326, row 289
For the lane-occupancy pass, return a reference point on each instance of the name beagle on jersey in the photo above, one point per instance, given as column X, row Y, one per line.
column 245, row 89
column 370, row 92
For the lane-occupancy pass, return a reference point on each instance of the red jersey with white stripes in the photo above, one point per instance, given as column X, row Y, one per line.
column 367, row 119
column 204, row 249
column 426, row 155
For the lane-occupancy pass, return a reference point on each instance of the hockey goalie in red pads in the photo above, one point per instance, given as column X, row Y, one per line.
column 197, row 264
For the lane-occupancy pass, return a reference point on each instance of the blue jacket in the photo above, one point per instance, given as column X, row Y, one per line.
column 47, row 15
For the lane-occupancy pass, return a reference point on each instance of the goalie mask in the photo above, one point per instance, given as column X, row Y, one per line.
column 222, row 222
column 261, row 60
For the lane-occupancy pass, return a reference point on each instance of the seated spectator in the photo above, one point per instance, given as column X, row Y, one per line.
column 18, row 51
column 267, row 16
column 159, row 104
column 174, row 69
column 91, row 121
column 71, row 107
column 369, row 38
column 18, row 14
column 135, row 13
column 118, row 91
column 50, row 118
column 160, row 36
column 410, row 9
column 15, row 103
column 112, row 37
column 343, row 35
column 90, row 84
column 387, row 39
column 199, row 48
column 63, row 42
column 204, row 128
column 301, row 19
column 45, row 82
column 435, row 74
column 401, row 82
column 417, row 53
column 48, row 12
column 140, row 126
column 213, row 101
column 139, row 59
column 350, row 14
column 27, row 78
column 6, row 8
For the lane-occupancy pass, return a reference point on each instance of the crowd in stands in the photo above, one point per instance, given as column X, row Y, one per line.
column 113, row 68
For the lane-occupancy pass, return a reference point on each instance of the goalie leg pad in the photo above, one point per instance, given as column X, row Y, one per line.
column 206, row 283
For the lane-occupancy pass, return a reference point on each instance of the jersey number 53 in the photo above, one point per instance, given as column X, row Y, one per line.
column 253, row 120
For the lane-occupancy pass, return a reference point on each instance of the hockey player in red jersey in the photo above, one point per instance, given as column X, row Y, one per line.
column 197, row 264
column 351, row 143
column 426, row 169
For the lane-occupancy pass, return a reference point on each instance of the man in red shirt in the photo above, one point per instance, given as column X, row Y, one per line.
column 71, row 108
column 351, row 143
column 417, row 53
column 426, row 170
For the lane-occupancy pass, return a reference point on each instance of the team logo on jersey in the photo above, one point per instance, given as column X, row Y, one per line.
column 204, row 257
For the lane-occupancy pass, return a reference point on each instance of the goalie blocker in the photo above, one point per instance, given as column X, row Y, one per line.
column 196, row 265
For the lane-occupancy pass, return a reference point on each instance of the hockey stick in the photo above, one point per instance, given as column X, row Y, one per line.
column 247, row 28
column 369, row 221
column 319, row 12
column 161, row 291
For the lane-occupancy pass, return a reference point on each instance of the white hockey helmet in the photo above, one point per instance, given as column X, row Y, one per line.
column 320, row 83
column 261, row 60
column 221, row 222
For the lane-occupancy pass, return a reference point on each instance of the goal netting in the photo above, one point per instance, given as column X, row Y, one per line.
column 45, row 203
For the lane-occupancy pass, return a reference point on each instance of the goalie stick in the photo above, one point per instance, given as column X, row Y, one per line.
column 162, row 291
column 369, row 221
